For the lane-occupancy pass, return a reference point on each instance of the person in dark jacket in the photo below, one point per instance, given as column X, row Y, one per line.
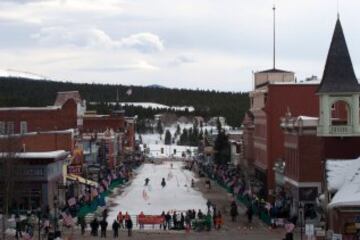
column 103, row 225
column 115, row 227
column 233, row 211
column 82, row 225
column 249, row 213
column 129, row 225
column 168, row 220
column 94, row 227
column 174, row 217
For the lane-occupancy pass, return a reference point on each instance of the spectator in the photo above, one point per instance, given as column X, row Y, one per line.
column 129, row 225
column 103, row 225
column 115, row 227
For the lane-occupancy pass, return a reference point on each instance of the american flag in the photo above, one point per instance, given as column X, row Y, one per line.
column 113, row 176
column 68, row 220
column 87, row 197
column 105, row 183
column 94, row 192
column 72, row 201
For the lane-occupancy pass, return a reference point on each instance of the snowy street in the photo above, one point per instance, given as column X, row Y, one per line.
column 177, row 195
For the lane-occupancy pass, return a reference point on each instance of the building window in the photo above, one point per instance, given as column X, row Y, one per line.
column 23, row 127
column 2, row 127
column 10, row 128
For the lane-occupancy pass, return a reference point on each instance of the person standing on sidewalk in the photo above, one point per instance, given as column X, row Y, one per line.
column 115, row 227
column 249, row 214
column 233, row 211
column 129, row 225
column 103, row 225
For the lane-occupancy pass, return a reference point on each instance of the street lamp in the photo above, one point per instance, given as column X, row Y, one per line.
column 55, row 213
column 39, row 223
column 301, row 216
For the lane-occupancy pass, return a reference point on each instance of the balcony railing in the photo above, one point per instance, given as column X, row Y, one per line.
column 341, row 130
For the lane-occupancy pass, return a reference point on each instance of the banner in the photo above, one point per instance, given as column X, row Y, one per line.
column 150, row 219
column 74, row 169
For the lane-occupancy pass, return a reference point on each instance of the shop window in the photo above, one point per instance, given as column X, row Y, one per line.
column 2, row 127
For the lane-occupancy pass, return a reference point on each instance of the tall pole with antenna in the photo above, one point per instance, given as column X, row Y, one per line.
column 274, row 35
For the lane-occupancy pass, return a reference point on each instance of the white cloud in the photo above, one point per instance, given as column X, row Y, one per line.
column 141, row 65
column 96, row 38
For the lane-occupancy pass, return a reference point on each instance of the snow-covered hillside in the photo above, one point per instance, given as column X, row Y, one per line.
column 20, row 74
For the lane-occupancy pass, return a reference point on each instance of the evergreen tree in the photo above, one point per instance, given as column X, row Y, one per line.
column 159, row 127
column 222, row 148
column 167, row 137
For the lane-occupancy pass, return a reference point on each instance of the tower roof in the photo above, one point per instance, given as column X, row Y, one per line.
column 339, row 75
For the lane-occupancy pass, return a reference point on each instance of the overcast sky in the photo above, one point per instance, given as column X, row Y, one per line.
column 206, row 44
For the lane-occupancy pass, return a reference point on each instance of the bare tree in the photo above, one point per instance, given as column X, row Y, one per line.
column 9, row 147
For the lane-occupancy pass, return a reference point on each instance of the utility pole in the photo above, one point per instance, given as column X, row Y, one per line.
column 274, row 36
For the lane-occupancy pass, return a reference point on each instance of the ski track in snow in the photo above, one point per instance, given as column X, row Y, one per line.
column 176, row 195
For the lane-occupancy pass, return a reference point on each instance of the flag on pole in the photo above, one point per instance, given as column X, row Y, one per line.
column 72, row 201
column 94, row 192
column 105, row 183
column 129, row 92
column 67, row 219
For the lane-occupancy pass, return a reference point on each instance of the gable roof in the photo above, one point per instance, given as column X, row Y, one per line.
column 339, row 75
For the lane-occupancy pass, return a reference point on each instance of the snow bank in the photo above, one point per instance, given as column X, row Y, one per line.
column 153, row 199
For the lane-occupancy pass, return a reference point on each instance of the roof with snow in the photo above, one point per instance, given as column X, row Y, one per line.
column 343, row 177
column 339, row 75
column 39, row 155
column 274, row 70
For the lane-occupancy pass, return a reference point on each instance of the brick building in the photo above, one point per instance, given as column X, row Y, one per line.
column 263, row 136
column 65, row 114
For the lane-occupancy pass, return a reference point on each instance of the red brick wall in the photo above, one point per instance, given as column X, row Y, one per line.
column 310, row 158
column 43, row 120
column 100, row 124
column 342, row 148
column 44, row 142
column 249, row 145
column 300, row 100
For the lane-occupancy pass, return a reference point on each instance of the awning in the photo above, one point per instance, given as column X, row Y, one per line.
column 82, row 180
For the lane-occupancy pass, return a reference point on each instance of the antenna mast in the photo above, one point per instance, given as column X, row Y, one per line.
column 274, row 39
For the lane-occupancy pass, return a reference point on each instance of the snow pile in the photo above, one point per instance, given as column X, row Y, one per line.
column 343, row 177
column 165, row 151
column 177, row 195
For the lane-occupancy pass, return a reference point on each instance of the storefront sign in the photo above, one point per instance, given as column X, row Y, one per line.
column 336, row 236
column 309, row 230
column 74, row 169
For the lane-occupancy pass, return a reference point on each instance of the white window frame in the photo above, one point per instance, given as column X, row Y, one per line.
column 23, row 127
column 10, row 127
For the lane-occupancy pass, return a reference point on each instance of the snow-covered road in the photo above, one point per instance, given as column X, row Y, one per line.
column 153, row 199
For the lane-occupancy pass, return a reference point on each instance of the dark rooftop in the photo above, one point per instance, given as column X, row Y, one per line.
column 339, row 75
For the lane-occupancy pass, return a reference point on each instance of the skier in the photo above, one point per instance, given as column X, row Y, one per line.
column 120, row 219
column 163, row 183
column 233, row 211
column 147, row 180
column 192, row 183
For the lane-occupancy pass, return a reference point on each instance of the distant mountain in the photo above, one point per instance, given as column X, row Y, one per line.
column 20, row 91
column 155, row 86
